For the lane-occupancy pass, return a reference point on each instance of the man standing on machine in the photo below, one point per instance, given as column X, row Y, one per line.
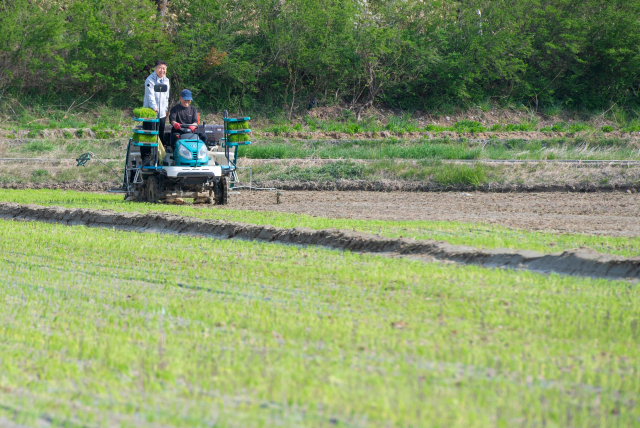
column 158, row 101
column 183, row 114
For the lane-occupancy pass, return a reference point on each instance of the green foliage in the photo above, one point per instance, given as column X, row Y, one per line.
column 607, row 128
column 144, row 113
column 241, row 54
column 93, row 45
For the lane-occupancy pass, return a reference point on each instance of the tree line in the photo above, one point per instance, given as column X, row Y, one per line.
column 412, row 54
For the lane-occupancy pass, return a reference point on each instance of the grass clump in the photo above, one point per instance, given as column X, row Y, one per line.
column 632, row 126
column 468, row 126
column 40, row 175
column 329, row 172
column 465, row 175
column 38, row 146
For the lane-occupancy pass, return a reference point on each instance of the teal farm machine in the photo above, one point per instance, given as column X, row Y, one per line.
column 200, row 165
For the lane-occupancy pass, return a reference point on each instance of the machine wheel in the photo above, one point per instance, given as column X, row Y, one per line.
column 222, row 192
column 151, row 189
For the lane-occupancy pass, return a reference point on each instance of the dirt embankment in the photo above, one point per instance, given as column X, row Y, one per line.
column 633, row 137
column 363, row 186
column 499, row 178
column 419, row 186
column 582, row 262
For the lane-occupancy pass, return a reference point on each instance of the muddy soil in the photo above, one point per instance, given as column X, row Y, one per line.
column 584, row 262
column 613, row 213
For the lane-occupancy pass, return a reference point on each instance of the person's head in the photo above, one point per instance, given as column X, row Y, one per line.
column 161, row 68
column 185, row 98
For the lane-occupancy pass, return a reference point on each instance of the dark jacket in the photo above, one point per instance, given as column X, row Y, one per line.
column 183, row 115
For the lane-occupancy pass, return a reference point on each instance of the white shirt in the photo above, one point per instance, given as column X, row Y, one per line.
column 156, row 100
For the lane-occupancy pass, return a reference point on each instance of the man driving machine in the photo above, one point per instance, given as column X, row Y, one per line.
column 184, row 115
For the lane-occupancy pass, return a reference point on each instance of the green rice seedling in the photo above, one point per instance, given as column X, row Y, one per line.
column 151, row 334
column 607, row 128
column 144, row 113
column 478, row 235
column 143, row 138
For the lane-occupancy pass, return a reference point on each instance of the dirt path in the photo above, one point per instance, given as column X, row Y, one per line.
column 615, row 213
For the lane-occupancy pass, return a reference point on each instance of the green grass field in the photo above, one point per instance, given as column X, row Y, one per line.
column 110, row 328
column 433, row 149
column 477, row 235
column 378, row 149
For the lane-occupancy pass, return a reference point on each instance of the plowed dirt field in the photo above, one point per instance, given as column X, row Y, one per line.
column 614, row 213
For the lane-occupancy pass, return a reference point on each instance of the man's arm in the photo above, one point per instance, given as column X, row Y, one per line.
column 194, row 118
column 172, row 116
column 150, row 95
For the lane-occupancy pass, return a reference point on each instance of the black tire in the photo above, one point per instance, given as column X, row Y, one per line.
column 152, row 189
column 222, row 192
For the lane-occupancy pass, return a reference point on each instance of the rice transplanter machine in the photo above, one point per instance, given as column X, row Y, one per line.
column 200, row 165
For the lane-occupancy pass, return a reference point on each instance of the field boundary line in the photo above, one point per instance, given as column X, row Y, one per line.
column 581, row 262
column 327, row 160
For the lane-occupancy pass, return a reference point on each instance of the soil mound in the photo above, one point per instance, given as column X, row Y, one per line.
column 584, row 262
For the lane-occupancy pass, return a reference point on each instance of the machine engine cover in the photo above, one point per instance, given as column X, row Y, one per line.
column 190, row 147
column 214, row 134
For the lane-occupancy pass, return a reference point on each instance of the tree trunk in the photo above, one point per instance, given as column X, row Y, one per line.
column 162, row 6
